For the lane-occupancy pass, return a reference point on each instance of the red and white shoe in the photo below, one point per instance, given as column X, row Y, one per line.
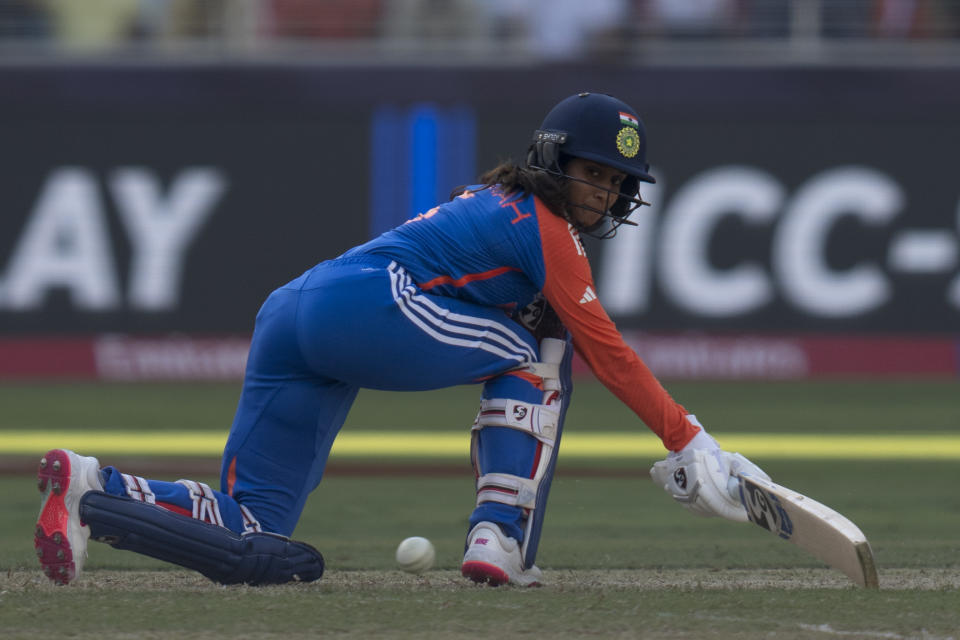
column 61, row 539
column 493, row 558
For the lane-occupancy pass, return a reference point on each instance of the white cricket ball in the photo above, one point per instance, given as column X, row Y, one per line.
column 416, row 555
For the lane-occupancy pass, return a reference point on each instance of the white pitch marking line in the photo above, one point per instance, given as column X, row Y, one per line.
column 826, row 628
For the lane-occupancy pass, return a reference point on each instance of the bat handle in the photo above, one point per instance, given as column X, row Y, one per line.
column 733, row 487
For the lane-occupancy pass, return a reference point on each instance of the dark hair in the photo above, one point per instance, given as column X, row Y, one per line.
column 514, row 179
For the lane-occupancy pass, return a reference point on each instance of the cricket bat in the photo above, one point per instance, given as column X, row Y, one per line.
column 812, row 526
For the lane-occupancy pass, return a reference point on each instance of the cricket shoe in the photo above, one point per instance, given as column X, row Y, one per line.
column 494, row 559
column 61, row 539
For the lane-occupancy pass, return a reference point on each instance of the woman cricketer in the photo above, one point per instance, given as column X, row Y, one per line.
column 492, row 288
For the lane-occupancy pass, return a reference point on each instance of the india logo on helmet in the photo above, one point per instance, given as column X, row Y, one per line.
column 628, row 142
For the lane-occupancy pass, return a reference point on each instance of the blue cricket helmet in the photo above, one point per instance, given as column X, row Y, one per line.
column 598, row 127
column 594, row 126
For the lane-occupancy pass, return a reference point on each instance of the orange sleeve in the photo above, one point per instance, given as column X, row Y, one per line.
column 569, row 288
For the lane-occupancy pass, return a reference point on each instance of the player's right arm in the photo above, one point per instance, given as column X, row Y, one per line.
column 568, row 287
column 696, row 472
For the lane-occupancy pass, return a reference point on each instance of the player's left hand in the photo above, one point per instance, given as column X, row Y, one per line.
column 703, row 477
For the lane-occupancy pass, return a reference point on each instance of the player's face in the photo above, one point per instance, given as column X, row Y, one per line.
column 591, row 189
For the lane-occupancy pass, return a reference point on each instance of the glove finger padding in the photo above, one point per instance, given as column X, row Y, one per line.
column 739, row 464
column 699, row 480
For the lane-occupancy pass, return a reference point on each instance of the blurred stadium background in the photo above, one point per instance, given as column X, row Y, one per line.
column 631, row 32
column 166, row 163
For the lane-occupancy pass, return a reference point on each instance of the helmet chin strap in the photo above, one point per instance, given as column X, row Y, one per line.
column 604, row 228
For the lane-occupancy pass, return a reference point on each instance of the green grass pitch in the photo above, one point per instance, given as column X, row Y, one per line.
column 621, row 560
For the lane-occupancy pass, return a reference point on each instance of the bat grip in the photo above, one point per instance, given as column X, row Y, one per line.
column 733, row 487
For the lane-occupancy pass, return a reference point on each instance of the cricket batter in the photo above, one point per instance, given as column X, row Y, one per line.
column 491, row 288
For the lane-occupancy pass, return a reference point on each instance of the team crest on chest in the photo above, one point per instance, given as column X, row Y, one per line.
column 628, row 142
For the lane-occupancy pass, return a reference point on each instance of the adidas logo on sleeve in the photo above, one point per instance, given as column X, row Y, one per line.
column 588, row 295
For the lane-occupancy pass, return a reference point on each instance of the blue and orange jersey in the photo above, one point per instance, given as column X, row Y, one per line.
column 502, row 250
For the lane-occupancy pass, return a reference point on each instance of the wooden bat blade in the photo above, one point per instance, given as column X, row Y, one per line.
column 812, row 526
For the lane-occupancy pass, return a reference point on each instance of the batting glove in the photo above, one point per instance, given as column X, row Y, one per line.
column 703, row 477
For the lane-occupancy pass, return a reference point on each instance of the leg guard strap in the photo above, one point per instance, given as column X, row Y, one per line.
column 216, row 552
column 539, row 420
column 549, row 372
column 507, row 489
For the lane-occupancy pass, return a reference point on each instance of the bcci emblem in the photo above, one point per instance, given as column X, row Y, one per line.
column 628, row 142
